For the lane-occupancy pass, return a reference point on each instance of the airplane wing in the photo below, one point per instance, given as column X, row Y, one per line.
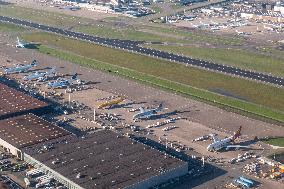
column 141, row 110
column 236, row 146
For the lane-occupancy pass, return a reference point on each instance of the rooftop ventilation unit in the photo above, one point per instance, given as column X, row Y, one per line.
column 78, row 176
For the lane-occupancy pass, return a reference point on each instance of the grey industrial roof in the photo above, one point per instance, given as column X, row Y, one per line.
column 13, row 101
column 25, row 130
column 104, row 159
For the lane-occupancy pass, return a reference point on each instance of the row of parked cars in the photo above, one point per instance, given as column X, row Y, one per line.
column 38, row 179
column 35, row 178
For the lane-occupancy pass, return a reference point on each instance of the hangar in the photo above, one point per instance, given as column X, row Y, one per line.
column 104, row 159
column 17, row 133
column 14, row 103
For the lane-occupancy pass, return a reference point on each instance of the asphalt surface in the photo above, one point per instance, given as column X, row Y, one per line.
column 133, row 46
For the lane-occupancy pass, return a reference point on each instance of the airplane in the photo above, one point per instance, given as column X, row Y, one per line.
column 40, row 76
column 20, row 68
column 146, row 114
column 225, row 143
column 61, row 83
column 21, row 44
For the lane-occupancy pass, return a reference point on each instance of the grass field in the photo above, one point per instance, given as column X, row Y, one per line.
column 44, row 17
column 5, row 27
column 239, row 58
column 180, row 75
column 276, row 141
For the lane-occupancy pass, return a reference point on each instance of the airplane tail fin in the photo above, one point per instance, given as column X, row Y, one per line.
column 160, row 107
column 237, row 134
column 52, row 70
column 34, row 63
column 74, row 77
column 141, row 110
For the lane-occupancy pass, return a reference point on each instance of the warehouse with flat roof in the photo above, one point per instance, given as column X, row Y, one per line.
column 23, row 131
column 104, row 159
column 14, row 103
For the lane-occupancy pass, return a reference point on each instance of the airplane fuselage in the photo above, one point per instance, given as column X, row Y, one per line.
column 34, row 76
column 17, row 69
column 218, row 145
column 145, row 115
column 58, row 84
column 20, row 45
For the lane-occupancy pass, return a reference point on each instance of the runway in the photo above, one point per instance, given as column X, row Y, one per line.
column 133, row 46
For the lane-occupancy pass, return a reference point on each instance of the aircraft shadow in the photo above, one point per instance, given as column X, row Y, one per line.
column 126, row 105
column 36, row 70
column 32, row 46
column 165, row 115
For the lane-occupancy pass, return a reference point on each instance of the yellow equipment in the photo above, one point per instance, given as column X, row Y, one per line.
column 110, row 103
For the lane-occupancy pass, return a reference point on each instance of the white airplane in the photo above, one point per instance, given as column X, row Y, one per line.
column 40, row 76
column 22, row 44
column 225, row 143
column 61, row 82
column 146, row 114
column 20, row 68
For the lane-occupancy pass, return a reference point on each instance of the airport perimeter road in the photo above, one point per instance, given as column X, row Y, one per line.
column 134, row 47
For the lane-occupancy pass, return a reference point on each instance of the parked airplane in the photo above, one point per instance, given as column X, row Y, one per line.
column 146, row 114
column 61, row 83
column 40, row 76
column 225, row 143
column 22, row 44
column 20, row 68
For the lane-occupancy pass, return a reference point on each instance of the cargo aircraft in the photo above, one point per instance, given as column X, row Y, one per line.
column 146, row 114
column 22, row 44
column 20, row 68
column 61, row 82
column 40, row 76
column 225, row 143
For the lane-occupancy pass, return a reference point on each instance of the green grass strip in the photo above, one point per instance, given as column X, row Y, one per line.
column 278, row 141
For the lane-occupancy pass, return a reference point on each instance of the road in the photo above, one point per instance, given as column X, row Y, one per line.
column 133, row 46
